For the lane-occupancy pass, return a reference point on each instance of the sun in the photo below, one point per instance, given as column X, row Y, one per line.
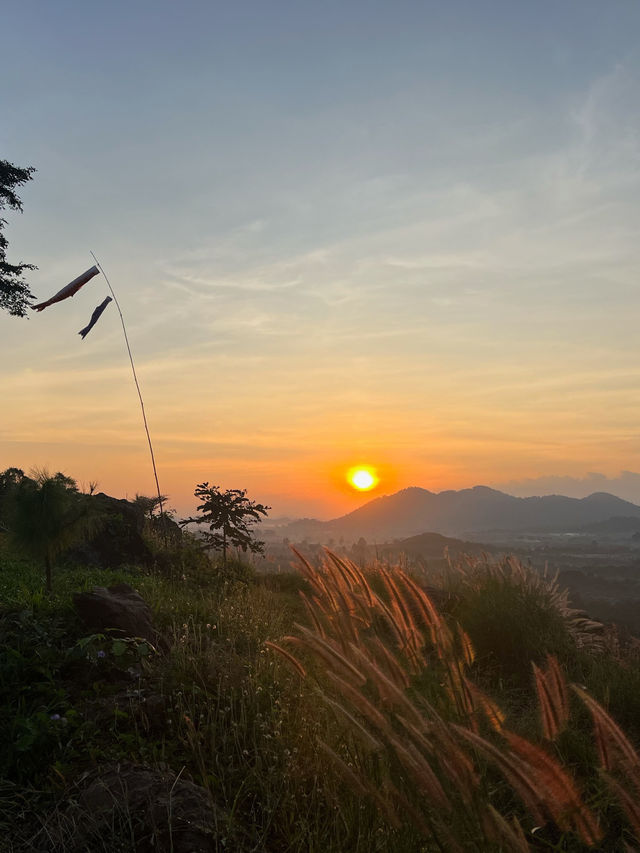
column 363, row 478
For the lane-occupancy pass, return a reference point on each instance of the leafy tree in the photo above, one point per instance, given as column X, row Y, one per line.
column 14, row 292
column 229, row 516
column 48, row 515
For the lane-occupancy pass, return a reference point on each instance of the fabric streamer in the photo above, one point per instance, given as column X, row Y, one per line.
column 70, row 290
column 94, row 317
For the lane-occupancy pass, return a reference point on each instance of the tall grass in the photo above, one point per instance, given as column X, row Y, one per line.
column 340, row 710
column 425, row 743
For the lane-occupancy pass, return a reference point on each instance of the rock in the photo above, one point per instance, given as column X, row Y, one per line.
column 116, row 608
column 119, row 540
column 157, row 809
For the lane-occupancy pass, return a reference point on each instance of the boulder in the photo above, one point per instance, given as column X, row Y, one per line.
column 156, row 809
column 116, row 608
column 119, row 539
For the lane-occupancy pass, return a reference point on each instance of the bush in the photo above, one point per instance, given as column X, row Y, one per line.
column 513, row 616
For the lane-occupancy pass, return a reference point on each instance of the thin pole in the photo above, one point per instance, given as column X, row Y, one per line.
column 135, row 379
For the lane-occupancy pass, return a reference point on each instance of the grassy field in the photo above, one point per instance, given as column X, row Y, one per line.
column 333, row 709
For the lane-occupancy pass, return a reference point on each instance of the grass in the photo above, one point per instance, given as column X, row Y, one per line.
column 334, row 710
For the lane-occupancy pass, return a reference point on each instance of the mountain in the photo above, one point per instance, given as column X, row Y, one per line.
column 414, row 510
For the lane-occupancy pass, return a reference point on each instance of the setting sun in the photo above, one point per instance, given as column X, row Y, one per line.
column 362, row 478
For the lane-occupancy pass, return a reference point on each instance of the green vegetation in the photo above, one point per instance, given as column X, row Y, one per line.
column 229, row 515
column 47, row 515
column 333, row 710
column 14, row 291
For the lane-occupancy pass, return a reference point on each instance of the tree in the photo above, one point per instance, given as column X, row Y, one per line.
column 48, row 515
column 229, row 516
column 14, row 292
column 10, row 479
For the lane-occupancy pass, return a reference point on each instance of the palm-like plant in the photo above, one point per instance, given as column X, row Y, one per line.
column 48, row 515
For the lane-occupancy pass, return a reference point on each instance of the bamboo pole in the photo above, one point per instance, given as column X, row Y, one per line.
column 137, row 384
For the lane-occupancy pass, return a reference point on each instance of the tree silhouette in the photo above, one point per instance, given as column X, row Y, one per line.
column 48, row 515
column 229, row 516
column 14, row 292
column 10, row 479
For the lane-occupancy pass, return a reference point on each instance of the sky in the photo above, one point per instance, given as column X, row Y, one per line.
column 399, row 234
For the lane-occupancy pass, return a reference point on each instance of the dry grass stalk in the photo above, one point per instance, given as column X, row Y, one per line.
column 516, row 772
column 629, row 803
column 613, row 745
column 295, row 663
column 307, row 571
column 561, row 796
column 543, row 785
column 391, row 622
column 558, row 690
column 402, row 609
column 494, row 714
column 389, row 663
column 370, row 742
column 468, row 652
column 455, row 763
column 347, row 570
column 348, row 774
column 415, row 763
column 615, row 753
column 458, row 692
column 504, row 832
column 363, row 705
column 390, row 693
column 311, row 613
column 329, row 651
column 553, row 699
column 424, row 606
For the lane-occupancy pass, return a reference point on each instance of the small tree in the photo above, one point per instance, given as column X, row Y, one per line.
column 229, row 516
column 48, row 515
column 14, row 291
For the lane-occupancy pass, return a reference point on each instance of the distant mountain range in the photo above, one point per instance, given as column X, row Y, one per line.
column 414, row 511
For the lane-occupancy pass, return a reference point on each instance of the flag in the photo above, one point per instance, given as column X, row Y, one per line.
column 94, row 318
column 72, row 288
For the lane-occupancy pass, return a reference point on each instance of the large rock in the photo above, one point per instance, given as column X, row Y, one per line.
column 119, row 540
column 116, row 608
column 155, row 809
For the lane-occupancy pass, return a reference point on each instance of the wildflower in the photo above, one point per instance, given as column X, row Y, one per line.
column 55, row 717
column 102, row 654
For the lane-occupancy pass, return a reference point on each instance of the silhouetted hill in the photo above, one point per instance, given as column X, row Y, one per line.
column 459, row 513
column 432, row 546
column 618, row 525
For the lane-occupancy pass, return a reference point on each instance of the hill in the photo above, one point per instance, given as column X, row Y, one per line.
column 616, row 526
column 412, row 511
column 431, row 546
